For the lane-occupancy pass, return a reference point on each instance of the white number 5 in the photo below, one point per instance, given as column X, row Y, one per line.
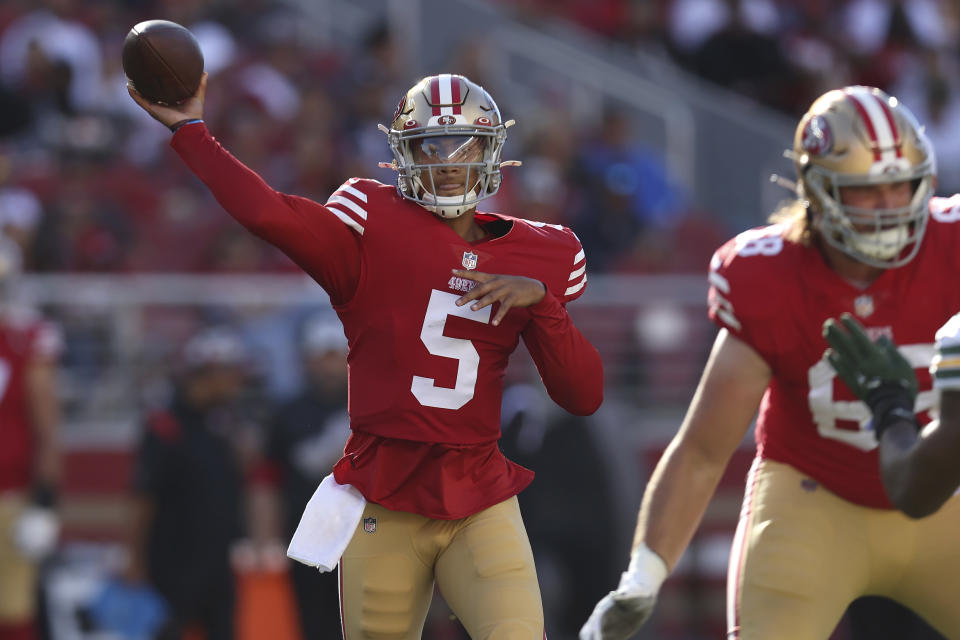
column 441, row 305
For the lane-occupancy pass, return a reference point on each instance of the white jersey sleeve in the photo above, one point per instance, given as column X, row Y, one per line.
column 945, row 368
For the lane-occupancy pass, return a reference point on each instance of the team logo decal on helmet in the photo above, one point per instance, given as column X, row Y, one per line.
column 817, row 139
column 450, row 122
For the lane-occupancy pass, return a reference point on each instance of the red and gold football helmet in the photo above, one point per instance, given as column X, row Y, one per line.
column 860, row 136
column 450, row 122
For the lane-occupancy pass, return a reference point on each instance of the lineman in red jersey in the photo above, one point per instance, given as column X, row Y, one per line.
column 413, row 272
column 817, row 529
column 29, row 460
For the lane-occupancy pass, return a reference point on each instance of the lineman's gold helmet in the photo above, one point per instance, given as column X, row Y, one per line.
column 858, row 136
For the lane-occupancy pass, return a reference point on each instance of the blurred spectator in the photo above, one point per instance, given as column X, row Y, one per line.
column 48, row 48
column 189, row 489
column 626, row 191
column 747, row 60
column 575, row 474
column 933, row 93
column 29, row 452
column 306, row 439
column 86, row 229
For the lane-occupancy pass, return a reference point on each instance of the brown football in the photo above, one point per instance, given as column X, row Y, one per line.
column 163, row 61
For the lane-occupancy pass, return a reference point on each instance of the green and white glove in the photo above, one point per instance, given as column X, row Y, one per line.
column 874, row 371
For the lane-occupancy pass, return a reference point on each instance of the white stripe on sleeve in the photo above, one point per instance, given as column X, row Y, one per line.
column 349, row 204
column 346, row 219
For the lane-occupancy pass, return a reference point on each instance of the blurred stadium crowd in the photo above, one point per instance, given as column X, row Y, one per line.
column 87, row 184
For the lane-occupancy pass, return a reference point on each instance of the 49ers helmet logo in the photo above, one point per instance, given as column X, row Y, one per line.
column 446, row 120
column 817, row 138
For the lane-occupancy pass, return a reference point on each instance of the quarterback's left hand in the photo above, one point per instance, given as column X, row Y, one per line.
column 509, row 291
column 863, row 364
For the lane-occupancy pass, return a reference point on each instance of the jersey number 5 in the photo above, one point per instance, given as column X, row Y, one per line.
column 441, row 306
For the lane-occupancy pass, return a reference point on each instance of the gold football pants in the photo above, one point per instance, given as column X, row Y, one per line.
column 802, row 554
column 18, row 575
column 482, row 565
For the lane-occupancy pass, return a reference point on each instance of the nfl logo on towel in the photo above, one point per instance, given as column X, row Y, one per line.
column 370, row 525
column 469, row 260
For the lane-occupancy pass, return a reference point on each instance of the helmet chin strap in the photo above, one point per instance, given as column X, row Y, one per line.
column 449, row 207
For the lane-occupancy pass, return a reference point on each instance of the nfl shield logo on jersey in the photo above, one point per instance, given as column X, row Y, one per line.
column 863, row 306
column 370, row 525
column 469, row 260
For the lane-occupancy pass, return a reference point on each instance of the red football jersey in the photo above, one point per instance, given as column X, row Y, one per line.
column 775, row 295
column 426, row 376
column 24, row 336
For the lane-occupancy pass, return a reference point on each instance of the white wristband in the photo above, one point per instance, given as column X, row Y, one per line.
column 646, row 573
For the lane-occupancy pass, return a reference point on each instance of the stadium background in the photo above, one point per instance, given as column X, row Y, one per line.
column 651, row 127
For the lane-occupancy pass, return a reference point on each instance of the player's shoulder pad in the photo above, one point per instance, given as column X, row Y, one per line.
column 353, row 201
column 747, row 275
column 565, row 257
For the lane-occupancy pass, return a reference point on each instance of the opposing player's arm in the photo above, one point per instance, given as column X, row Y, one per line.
column 309, row 233
column 918, row 468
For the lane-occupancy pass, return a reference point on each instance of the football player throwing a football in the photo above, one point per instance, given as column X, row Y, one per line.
column 433, row 295
column 817, row 528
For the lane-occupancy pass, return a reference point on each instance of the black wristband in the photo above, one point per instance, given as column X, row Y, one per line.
column 179, row 123
column 890, row 403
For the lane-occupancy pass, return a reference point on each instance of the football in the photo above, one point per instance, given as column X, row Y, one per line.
column 163, row 61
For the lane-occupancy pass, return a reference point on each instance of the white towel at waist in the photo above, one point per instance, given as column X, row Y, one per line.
column 327, row 525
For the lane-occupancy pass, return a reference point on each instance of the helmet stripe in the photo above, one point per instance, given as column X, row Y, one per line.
column 891, row 123
column 871, row 131
column 455, row 97
column 435, row 94
column 446, row 94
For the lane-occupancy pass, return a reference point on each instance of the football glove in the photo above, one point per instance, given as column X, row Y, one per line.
column 621, row 613
column 874, row 371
